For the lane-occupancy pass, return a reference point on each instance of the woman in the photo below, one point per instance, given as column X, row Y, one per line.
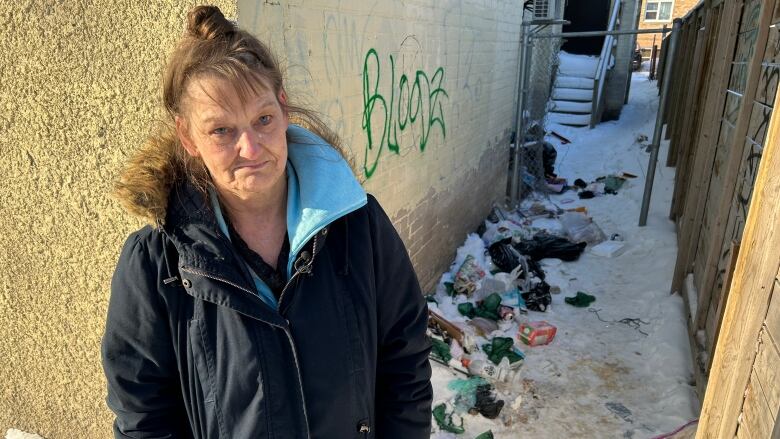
column 272, row 297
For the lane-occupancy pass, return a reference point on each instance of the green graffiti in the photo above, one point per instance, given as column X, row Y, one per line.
column 417, row 101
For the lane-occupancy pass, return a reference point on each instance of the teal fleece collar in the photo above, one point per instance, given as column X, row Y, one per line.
column 321, row 188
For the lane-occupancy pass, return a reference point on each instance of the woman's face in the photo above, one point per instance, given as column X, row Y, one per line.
column 243, row 143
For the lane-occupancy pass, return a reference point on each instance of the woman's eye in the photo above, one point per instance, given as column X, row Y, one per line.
column 264, row 120
column 221, row 131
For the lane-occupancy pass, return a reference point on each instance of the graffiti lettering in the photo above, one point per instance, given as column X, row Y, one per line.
column 409, row 102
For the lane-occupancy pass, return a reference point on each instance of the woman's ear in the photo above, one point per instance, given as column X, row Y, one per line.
column 184, row 137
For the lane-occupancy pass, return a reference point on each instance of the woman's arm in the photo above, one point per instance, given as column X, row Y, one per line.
column 403, row 389
column 137, row 350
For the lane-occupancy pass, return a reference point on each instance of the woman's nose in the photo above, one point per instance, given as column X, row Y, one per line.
column 249, row 144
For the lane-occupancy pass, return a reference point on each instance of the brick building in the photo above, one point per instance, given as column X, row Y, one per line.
column 656, row 13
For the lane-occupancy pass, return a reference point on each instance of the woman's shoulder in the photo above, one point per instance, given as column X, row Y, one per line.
column 144, row 246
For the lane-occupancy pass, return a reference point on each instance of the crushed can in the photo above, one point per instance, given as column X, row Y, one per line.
column 536, row 333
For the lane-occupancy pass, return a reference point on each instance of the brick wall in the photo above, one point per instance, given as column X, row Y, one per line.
column 356, row 59
column 645, row 41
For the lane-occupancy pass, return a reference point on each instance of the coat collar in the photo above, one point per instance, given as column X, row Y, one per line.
column 321, row 189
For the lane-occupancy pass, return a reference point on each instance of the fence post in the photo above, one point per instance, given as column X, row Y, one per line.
column 659, row 124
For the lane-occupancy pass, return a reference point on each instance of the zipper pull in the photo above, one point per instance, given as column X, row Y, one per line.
column 303, row 263
column 363, row 427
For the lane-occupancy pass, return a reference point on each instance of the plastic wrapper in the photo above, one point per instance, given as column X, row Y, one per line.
column 467, row 277
column 581, row 228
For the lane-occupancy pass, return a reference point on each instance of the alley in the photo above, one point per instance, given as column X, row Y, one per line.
column 620, row 366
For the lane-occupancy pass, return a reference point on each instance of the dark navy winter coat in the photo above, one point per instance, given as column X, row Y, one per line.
column 192, row 350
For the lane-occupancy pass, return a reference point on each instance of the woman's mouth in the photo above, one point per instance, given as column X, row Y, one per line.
column 252, row 166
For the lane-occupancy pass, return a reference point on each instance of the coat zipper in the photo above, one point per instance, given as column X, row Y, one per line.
column 303, row 269
column 299, row 270
column 306, row 268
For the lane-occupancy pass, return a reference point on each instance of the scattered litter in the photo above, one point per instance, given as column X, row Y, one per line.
column 536, row 333
column 581, row 300
column 503, row 372
column 504, row 256
column 586, row 195
column 546, row 246
column 483, row 326
column 487, row 308
column 486, row 435
column 539, row 298
column 608, row 249
column 581, row 228
column 630, row 322
column 440, row 350
column 487, row 404
column 500, row 348
column 444, row 419
column 564, row 140
column 468, row 275
column 620, row 410
column 612, row 183
column 466, row 392
column 444, row 326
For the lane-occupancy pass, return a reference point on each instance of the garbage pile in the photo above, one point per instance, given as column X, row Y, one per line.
column 488, row 309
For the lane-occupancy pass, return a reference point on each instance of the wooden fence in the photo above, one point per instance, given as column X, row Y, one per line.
column 723, row 91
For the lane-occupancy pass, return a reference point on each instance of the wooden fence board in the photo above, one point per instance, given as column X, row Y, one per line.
column 773, row 316
column 719, row 239
column 755, row 410
column 724, row 22
column 767, row 374
column 748, row 301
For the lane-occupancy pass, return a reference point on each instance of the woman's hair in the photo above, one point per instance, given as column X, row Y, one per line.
column 214, row 47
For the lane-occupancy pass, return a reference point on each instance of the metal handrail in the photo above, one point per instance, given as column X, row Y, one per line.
column 603, row 66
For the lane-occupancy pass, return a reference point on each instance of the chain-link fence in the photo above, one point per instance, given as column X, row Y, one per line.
column 536, row 158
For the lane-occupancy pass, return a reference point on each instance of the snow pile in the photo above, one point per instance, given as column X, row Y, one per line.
column 620, row 366
column 582, row 66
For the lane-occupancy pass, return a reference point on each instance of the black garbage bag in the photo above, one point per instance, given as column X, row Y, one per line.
column 536, row 268
column 504, row 256
column 547, row 246
column 538, row 298
column 486, row 404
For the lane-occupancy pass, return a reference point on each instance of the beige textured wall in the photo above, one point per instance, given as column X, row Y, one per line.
column 433, row 194
column 78, row 89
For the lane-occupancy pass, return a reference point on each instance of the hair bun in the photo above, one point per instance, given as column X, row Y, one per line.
column 208, row 22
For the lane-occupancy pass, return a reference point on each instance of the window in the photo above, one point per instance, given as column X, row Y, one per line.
column 659, row 10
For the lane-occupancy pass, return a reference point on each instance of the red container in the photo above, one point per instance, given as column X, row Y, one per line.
column 536, row 333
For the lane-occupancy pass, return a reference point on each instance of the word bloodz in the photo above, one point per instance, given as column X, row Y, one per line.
column 416, row 101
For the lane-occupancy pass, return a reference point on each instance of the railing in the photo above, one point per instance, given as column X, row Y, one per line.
column 604, row 65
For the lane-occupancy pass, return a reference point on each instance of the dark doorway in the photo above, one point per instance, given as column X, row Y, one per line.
column 585, row 15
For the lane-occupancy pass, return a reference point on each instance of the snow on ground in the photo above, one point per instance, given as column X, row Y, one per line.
column 580, row 384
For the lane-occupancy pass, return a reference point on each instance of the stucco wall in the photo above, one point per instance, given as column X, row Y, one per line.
column 451, row 162
column 78, row 89
column 79, row 85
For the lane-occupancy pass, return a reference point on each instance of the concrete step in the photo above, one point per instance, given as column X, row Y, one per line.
column 577, row 120
column 575, row 82
column 571, row 107
column 572, row 94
